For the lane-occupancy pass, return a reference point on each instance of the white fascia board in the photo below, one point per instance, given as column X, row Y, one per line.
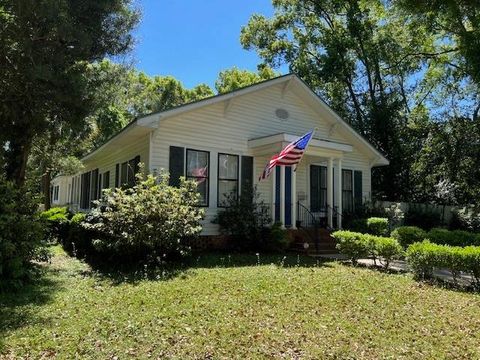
column 288, row 138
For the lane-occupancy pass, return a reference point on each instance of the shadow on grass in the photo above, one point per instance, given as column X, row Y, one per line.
column 118, row 273
column 18, row 306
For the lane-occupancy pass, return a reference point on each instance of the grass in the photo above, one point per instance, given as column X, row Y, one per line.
column 237, row 307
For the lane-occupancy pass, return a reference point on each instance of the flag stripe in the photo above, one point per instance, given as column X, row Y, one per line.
column 292, row 154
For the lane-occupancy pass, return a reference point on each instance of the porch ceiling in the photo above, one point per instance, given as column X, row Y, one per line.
column 317, row 147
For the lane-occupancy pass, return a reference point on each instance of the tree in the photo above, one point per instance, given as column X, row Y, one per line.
column 234, row 78
column 46, row 49
column 450, row 155
column 348, row 52
column 122, row 93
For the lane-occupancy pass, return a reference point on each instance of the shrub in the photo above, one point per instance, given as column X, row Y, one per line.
column 424, row 257
column 148, row 220
column 275, row 239
column 467, row 218
column 79, row 241
column 245, row 220
column 453, row 238
column 357, row 225
column 21, row 234
column 377, row 226
column 407, row 235
column 421, row 258
column 56, row 222
column 425, row 219
column 352, row 244
column 385, row 249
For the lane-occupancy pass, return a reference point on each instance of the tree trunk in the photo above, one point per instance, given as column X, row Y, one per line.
column 46, row 180
column 16, row 160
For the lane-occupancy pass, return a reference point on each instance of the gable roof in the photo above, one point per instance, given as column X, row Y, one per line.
column 151, row 121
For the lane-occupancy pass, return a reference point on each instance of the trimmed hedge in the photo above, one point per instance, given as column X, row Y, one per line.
column 374, row 225
column 424, row 257
column 407, row 235
column 377, row 226
column 453, row 238
column 356, row 245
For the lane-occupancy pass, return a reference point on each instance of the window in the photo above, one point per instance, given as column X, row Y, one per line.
column 56, row 190
column 197, row 166
column 227, row 178
column 347, row 191
column 128, row 170
column 85, row 191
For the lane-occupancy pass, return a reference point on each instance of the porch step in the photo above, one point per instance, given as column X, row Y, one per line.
column 326, row 243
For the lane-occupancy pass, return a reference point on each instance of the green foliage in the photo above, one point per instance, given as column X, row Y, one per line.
column 423, row 218
column 46, row 49
column 355, row 54
column 56, row 220
column 424, row 257
column 407, row 235
column 352, row 244
column 245, row 220
column 357, row 225
column 232, row 79
column 385, row 249
column 149, row 219
column 453, row 238
column 356, row 245
column 377, row 226
column 21, row 234
column 467, row 218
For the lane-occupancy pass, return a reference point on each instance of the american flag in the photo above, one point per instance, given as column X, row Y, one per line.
column 291, row 155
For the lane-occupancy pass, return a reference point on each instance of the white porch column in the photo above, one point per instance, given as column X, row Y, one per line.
column 282, row 195
column 294, row 199
column 330, row 192
column 339, row 194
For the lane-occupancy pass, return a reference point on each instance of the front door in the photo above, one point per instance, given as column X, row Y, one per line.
column 288, row 195
column 318, row 188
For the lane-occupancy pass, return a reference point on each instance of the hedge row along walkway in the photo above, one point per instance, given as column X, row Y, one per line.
column 401, row 266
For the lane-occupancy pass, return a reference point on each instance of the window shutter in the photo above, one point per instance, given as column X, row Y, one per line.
column 357, row 190
column 117, row 175
column 247, row 175
column 315, row 188
column 176, row 164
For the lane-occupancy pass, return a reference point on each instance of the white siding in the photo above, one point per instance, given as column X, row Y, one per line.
column 107, row 160
column 250, row 116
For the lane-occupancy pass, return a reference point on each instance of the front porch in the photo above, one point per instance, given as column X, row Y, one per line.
column 310, row 195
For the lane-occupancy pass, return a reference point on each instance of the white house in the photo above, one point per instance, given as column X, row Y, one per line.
column 225, row 142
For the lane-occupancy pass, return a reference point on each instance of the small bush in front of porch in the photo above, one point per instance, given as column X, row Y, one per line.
column 149, row 220
column 352, row 244
column 357, row 245
column 246, row 220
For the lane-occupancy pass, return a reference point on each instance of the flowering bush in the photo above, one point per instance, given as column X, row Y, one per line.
column 151, row 218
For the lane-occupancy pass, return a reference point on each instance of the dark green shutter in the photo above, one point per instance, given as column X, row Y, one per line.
column 176, row 164
column 314, row 188
column 357, row 189
column 117, row 175
column 247, row 175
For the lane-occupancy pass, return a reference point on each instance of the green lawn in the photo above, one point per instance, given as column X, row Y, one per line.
column 232, row 307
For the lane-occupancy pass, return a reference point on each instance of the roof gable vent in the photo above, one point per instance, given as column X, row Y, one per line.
column 282, row 114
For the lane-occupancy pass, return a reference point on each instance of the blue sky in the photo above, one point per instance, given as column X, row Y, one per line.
column 193, row 40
